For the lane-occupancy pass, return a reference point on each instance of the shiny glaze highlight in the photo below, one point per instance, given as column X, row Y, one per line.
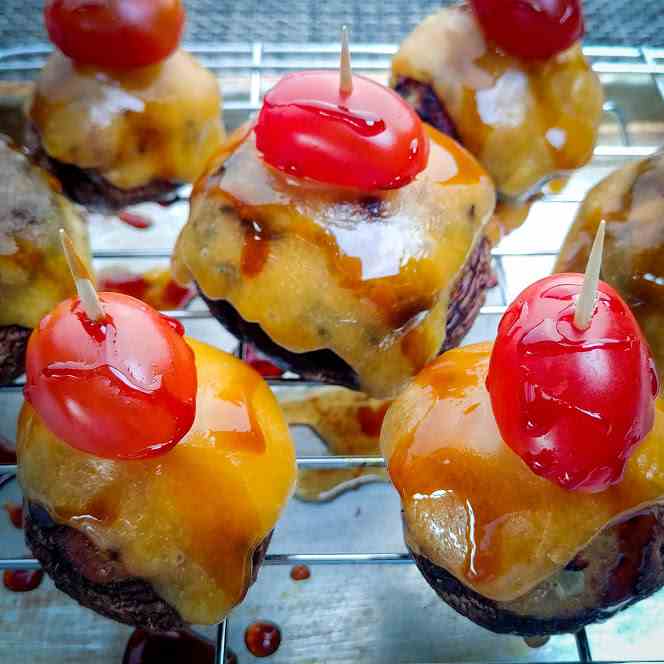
column 189, row 520
column 323, row 267
column 470, row 503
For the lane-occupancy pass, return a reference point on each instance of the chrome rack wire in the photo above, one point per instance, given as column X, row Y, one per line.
column 247, row 70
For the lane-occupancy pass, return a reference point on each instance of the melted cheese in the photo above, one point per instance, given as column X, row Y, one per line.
column 349, row 423
column 157, row 123
column 472, row 506
column 524, row 121
column 190, row 520
column 34, row 275
column 631, row 202
column 367, row 276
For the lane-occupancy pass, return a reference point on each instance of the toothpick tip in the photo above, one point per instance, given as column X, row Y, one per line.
column 585, row 305
column 82, row 279
column 345, row 71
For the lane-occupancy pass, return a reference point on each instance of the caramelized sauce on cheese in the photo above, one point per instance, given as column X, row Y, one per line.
column 472, row 506
column 155, row 123
column 34, row 276
column 190, row 520
column 631, row 202
column 319, row 267
column 524, row 121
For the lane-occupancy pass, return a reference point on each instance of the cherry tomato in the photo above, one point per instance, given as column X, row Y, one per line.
column 121, row 388
column 531, row 29
column 370, row 139
column 573, row 404
column 118, row 34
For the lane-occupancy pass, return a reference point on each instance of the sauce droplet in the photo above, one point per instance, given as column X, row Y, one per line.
column 300, row 573
column 371, row 419
column 259, row 362
column 15, row 513
column 135, row 220
column 170, row 648
column 262, row 638
column 22, row 580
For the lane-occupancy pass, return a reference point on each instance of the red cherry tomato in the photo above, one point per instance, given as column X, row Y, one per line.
column 122, row 388
column 573, row 404
column 370, row 139
column 115, row 33
column 531, row 29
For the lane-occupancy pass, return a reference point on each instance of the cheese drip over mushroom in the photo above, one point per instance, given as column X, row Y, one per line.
column 34, row 276
column 524, row 120
column 189, row 521
column 132, row 126
column 473, row 507
column 367, row 276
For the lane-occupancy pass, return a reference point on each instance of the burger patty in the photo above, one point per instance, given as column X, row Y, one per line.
column 466, row 299
column 622, row 565
column 87, row 187
column 97, row 579
column 427, row 105
column 13, row 344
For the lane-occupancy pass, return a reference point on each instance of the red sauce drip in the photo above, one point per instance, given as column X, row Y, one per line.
column 135, row 220
column 255, row 250
column 257, row 362
column 371, row 419
column 634, row 536
column 7, row 452
column 170, row 648
column 148, row 287
column 300, row 573
column 262, row 638
column 175, row 296
column 124, row 282
column 22, row 581
column 15, row 513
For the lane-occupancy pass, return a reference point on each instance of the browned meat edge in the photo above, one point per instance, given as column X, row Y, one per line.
column 427, row 105
column 623, row 565
column 325, row 366
column 97, row 579
column 87, row 187
column 13, row 343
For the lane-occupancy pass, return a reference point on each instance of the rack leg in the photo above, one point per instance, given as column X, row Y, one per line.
column 583, row 647
column 222, row 637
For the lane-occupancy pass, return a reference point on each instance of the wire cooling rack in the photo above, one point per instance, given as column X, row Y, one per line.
column 633, row 127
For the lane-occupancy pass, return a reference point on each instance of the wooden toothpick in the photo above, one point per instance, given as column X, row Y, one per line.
column 84, row 286
column 585, row 305
column 345, row 72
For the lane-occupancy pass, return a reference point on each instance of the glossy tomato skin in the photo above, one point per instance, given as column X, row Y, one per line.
column 573, row 404
column 371, row 139
column 115, row 34
column 123, row 388
column 531, row 29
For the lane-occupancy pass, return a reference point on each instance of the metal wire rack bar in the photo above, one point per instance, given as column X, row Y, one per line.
column 273, row 559
column 332, row 462
column 258, row 59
